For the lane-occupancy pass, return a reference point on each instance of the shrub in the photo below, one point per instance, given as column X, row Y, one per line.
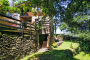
column 54, row 45
column 85, row 46
column 85, row 36
column 71, row 46
column 59, row 35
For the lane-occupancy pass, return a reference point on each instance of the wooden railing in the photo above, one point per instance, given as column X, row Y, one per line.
column 14, row 25
column 23, row 27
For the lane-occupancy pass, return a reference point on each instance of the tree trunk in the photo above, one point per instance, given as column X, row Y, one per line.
column 55, row 29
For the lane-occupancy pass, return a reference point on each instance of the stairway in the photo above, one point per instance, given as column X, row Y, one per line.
column 31, row 32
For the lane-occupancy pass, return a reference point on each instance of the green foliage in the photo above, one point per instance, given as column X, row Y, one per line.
column 76, row 22
column 38, row 26
column 80, row 18
column 16, row 4
column 60, row 35
column 86, row 46
column 33, row 10
column 24, row 6
column 71, row 46
column 85, row 35
column 5, row 7
column 44, row 28
column 47, row 7
column 4, row 2
column 54, row 45
column 20, row 0
column 63, row 26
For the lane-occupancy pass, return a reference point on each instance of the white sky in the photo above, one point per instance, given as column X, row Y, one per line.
column 10, row 1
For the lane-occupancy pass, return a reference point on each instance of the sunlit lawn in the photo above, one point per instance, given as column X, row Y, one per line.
column 63, row 52
column 80, row 56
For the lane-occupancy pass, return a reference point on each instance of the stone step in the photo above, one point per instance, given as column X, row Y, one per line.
column 43, row 50
column 59, row 43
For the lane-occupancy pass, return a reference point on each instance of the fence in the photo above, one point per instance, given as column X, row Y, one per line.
column 14, row 25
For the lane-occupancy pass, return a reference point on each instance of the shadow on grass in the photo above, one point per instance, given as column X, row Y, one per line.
column 55, row 55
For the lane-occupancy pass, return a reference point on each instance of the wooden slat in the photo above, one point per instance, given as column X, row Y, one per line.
column 19, row 31
column 6, row 29
column 10, row 26
column 9, row 21
column 13, row 26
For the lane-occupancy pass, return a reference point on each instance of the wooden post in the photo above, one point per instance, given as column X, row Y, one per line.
column 48, row 41
column 38, row 39
column 30, row 31
column 50, row 35
column 22, row 28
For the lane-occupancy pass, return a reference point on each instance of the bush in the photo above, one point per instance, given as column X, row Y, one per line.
column 54, row 45
column 67, row 37
column 85, row 36
column 59, row 35
column 85, row 46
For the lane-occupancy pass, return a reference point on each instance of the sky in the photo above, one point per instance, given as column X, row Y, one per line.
column 10, row 2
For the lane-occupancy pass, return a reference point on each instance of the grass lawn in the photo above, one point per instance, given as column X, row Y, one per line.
column 63, row 52
column 80, row 56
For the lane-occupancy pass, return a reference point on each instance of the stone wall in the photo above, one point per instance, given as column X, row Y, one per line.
column 14, row 48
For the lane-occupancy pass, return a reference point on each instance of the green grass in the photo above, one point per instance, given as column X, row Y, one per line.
column 63, row 52
column 31, row 56
column 82, row 56
column 66, row 45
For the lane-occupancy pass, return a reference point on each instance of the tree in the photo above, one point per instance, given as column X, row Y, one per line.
column 63, row 26
column 75, row 7
column 47, row 6
column 5, row 7
column 55, row 22
column 3, row 4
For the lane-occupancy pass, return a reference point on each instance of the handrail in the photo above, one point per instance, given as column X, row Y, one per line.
column 9, row 21
column 10, row 26
column 19, row 27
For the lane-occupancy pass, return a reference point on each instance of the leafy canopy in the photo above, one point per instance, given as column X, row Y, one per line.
column 76, row 15
column 63, row 26
column 47, row 6
column 5, row 7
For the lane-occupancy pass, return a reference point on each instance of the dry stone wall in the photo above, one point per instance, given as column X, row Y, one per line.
column 14, row 48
